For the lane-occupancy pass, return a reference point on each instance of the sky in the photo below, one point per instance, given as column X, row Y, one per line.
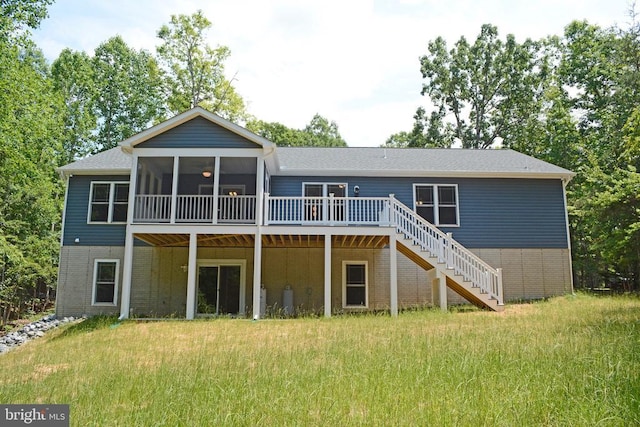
column 355, row 62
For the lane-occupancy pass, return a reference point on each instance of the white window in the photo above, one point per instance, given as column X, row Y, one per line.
column 355, row 285
column 437, row 203
column 105, row 281
column 108, row 202
column 323, row 189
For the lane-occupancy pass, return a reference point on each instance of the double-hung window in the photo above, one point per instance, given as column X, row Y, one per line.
column 355, row 284
column 108, row 202
column 437, row 203
column 105, row 281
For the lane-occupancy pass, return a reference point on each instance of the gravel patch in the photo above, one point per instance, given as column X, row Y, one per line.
column 32, row 331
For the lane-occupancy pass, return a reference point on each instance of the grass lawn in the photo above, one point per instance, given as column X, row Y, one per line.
column 571, row 360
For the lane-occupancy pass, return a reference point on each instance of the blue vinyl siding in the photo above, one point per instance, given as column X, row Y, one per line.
column 76, row 226
column 494, row 213
column 198, row 133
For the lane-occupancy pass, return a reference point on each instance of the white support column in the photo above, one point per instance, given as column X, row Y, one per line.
column 259, row 190
column 327, row 275
column 393, row 273
column 331, row 209
column 439, row 290
column 257, row 273
column 133, row 182
column 127, row 270
column 174, row 188
column 266, row 216
column 191, row 276
column 500, row 288
column 216, row 189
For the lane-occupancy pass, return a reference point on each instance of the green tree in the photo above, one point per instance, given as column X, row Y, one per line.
column 73, row 80
column 322, row 133
column 428, row 131
column 482, row 92
column 593, row 66
column 127, row 87
column 602, row 69
column 17, row 16
column 30, row 190
column 319, row 132
column 278, row 133
column 194, row 71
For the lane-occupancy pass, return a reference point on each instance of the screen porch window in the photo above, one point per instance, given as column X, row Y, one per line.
column 108, row 202
column 438, row 204
column 355, row 289
column 105, row 281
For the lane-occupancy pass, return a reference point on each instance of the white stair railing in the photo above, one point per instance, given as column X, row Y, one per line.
column 462, row 261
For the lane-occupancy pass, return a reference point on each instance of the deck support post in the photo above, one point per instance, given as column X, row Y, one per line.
column 191, row 276
column 393, row 273
column 439, row 290
column 327, row 275
column 127, row 269
column 257, row 273
column 216, row 189
column 259, row 209
column 174, row 189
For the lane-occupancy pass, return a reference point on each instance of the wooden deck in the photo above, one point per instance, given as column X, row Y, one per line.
column 268, row 240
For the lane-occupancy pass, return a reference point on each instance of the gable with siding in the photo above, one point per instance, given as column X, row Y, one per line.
column 198, row 133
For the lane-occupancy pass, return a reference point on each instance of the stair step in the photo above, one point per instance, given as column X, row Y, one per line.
column 467, row 289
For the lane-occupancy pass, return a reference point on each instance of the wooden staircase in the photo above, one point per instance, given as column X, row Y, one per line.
column 427, row 246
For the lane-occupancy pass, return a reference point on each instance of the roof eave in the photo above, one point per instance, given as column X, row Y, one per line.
column 98, row 172
column 567, row 176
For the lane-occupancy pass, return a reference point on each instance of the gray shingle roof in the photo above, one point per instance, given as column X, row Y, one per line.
column 366, row 161
column 111, row 161
column 413, row 162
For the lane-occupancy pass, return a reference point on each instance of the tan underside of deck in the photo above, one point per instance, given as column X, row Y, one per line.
column 268, row 240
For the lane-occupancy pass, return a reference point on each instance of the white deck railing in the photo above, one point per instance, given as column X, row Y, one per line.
column 152, row 208
column 238, row 209
column 194, row 209
column 462, row 261
column 331, row 211
column 326, row 210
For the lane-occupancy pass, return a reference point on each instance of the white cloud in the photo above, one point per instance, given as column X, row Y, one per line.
column 354, row 62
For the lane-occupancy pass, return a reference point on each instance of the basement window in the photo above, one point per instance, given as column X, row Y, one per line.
column 105, row 281
column 355, row 284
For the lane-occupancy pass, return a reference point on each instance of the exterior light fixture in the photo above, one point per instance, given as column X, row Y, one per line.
column 207, row 172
